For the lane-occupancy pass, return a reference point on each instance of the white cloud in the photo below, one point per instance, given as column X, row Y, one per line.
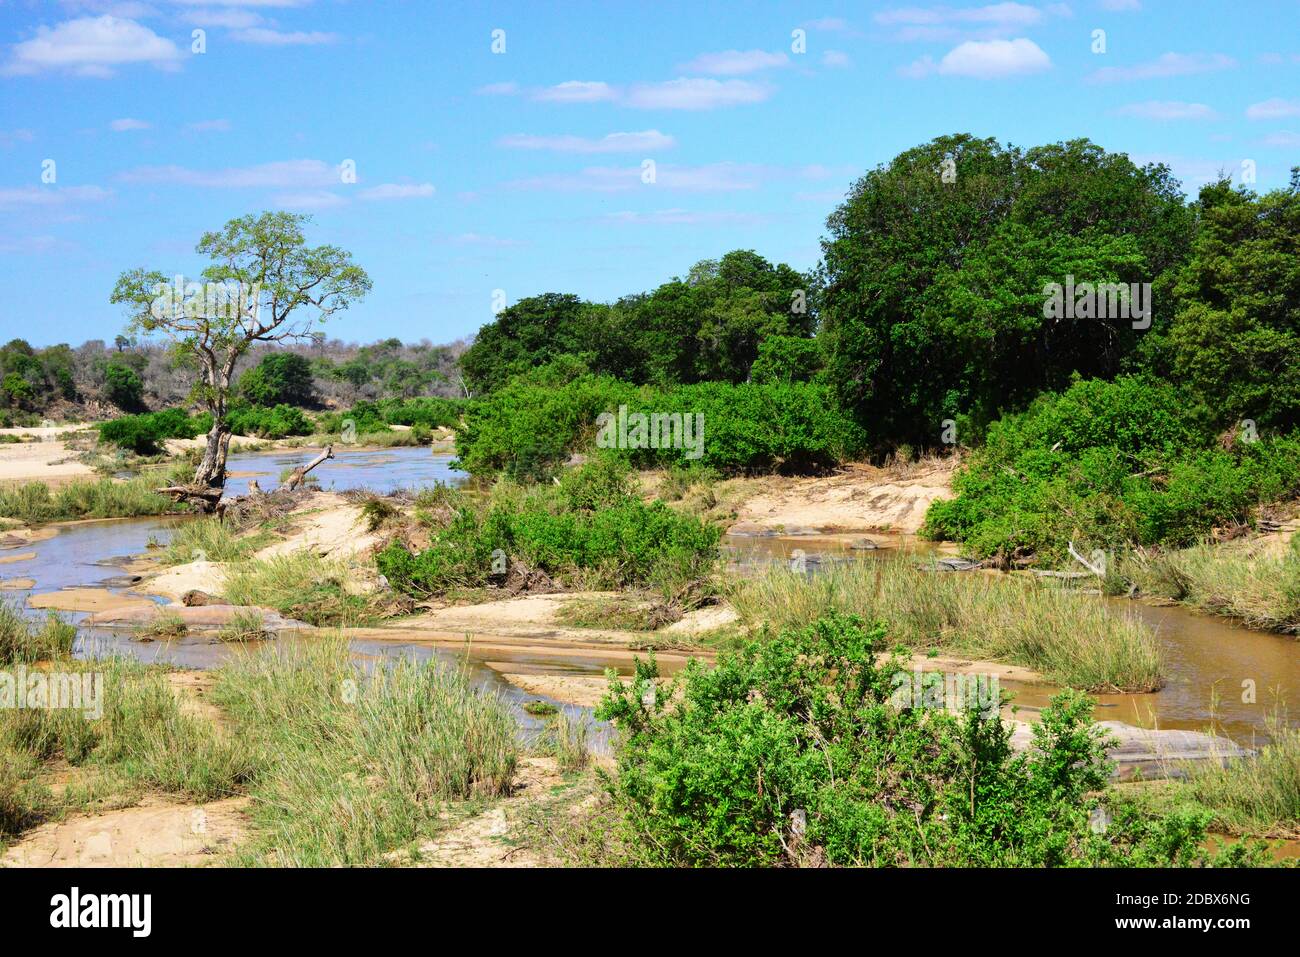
column 91, row 46
column 230, row 19
column 576, row 91
column 836, row 59
column 398, row 191
column 1165, row 65
column 46, row 196
column 285, row 174
column 264, row 36
column 1274, row 109
column 714, row 177
column 943, row 23
column 498, row 89
column 313, row 199
column 735, row 62
column 985, row 59
column 1283, row 138
column 1121, row 6
column 1168, row 110
column 695, row 94
column 645, row 141
column 11, row 137
column 127, row 124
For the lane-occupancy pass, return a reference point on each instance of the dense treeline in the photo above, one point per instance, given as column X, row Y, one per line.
column 961, row 284
column 98, row 379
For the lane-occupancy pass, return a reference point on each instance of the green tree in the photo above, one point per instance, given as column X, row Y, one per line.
column 123, row 387
column 281, row 378
column 283, row 287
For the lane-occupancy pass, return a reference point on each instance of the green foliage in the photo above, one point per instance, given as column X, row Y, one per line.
column 531, row 425
column 34, row 502
column 1107, row 464
column 786, row 359
column 706, row 326
column 589, row 530
column 31, row 379
column 1235, row 337
column 718, row 768
column 123, row 387
column 145, row 433
column 276, row 422
column 933, row 301
column 281, row 378
column 24, row 641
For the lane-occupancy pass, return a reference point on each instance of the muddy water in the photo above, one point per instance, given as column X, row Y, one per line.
column 1212, row 666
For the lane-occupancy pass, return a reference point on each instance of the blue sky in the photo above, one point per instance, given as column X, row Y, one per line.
column 524, row 170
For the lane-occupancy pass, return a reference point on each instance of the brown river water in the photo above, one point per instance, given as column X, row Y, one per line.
column 1208, row 660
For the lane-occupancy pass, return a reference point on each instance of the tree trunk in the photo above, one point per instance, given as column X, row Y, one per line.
column 211, row 472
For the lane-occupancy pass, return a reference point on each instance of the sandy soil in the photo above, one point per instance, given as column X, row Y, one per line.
column 13, row 559
column 327, row 525
column 90, row 599
column 156, row 833
column 497, row 837
column 16, row 584
column 199, row 618
column 41, row 461
column 859, row 498
column 176, row 580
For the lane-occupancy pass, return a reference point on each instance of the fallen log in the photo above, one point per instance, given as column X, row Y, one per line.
column 205, row 496
column 300, row 473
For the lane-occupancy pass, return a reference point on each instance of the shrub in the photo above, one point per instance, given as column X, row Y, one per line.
column 276, row 422
column 791, row 751
column 281, row 378
column 1105, row 465
column 144, row 434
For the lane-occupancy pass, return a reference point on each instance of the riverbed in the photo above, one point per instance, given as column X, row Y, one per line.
column 1213, row 666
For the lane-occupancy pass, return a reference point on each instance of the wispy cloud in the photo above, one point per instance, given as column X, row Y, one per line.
column 735, row 62
column 265, row 36
column 577, row 91
column 695, row 94
column 715, row 177
column 127, row 124
column 386, row 191
column 1274, row 109
column 985, row 60
column 47, row 196
column 285, row 174
column 1282, row 138
column 209, row 126
column 1165, row 65
column 943, row 23
column 681, row 217
column 646, row 141
column 836, row 60
column 9, row 138
column 684, row 93
column 91, row 46
column 1168, row 110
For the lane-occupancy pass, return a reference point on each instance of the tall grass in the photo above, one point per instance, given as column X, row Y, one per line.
column 304, row 586
column 24, row 641
column 1257, row 794
column 104, row 498
column 1072, row 639
column 209, row 539
column 1261, row 591
column 362, row 762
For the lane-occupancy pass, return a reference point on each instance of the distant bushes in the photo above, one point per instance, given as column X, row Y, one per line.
column 424, row 412
column 275, row 422
column 534, row 423
column 1105, row 464
column 35, row 502
column 145, row 433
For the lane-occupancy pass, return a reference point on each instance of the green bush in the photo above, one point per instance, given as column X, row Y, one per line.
column 276, row 422
column 281, row 378
column 589, row 530
column 1105, row 465
column 144, row 434
column 792, row 752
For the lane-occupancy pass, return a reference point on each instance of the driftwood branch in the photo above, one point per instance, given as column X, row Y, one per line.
column 296, row 477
